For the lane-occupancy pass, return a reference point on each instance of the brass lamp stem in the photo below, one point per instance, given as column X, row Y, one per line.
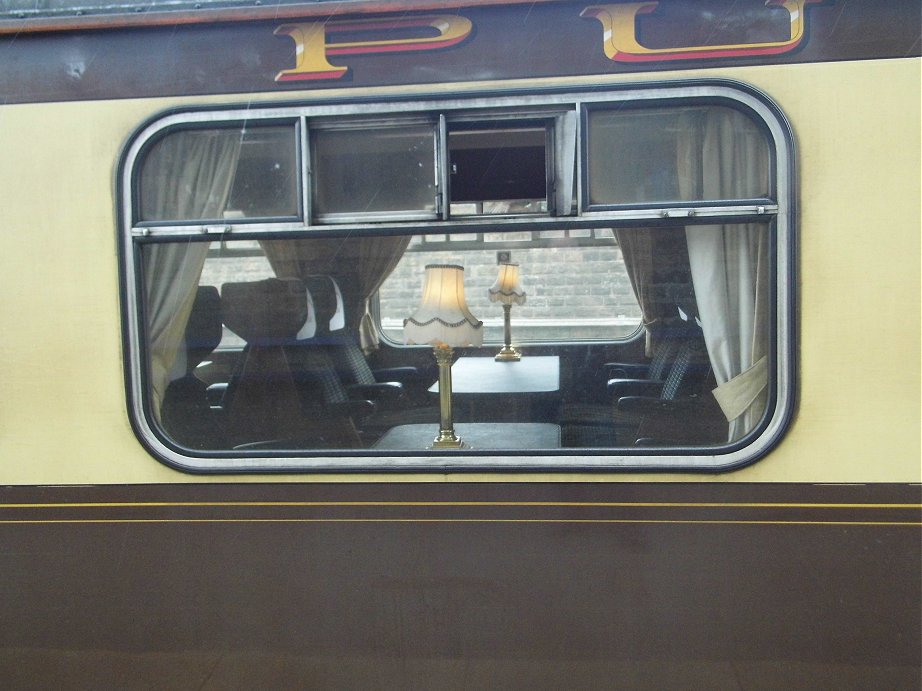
column 508, row 353
column 447, row 438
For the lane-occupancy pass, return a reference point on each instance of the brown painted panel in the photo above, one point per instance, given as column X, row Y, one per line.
column 447, row 585
column 506, row 42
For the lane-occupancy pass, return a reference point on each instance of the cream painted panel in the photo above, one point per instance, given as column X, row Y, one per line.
column 63, row 416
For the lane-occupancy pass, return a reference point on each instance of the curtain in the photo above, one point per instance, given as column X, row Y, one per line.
column 369, row 261
column 304, row 257
column 377, row 259
column 187, row 175
column 722, row 155
column 637, row 251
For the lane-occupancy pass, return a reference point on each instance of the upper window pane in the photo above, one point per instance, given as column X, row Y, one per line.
column 266, row 182
column 639, row 156
column 381, row 170
column 498, row 170
column 220, row 173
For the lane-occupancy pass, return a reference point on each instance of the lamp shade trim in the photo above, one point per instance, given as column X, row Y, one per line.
column 476, row 323
column 443, row 316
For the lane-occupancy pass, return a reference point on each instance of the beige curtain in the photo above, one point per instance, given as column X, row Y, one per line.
column 187, row 176
column 637, row 251
column 304, row 257
column 359, row 266
column 723, row 155
column 377, row 259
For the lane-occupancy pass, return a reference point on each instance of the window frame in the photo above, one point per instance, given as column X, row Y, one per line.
column 780, row 213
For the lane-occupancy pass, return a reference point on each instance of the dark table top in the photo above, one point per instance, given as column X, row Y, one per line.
column 477, row 435
column 484, row 375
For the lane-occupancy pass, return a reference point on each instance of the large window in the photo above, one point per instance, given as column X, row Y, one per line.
column 271, row 257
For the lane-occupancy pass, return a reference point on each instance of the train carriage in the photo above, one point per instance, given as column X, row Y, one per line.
column 458, row 344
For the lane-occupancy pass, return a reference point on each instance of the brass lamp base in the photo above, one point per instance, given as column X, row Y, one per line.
column 508, row 354
column 447, row 440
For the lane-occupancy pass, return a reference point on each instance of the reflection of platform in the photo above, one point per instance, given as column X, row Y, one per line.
column 484, row 375
column 477, row 435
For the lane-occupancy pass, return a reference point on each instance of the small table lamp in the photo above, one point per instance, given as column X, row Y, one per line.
column 444, row 321
column 507, row 291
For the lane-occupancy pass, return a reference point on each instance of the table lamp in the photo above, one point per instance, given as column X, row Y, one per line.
column 507, row 290
column 444, row 321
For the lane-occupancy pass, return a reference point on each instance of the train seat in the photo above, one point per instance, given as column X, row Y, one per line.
column 261, row 402
column 623, row 378
column 185, row 413
column 637, row 404
column 388, row 387
column 332, row 362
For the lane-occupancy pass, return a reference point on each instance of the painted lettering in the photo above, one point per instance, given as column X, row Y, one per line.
column 313, row 44
column 619, row 24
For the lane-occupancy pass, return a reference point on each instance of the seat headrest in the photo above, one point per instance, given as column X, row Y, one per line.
column 265, row 312
column 203, row 330
column 323, row 291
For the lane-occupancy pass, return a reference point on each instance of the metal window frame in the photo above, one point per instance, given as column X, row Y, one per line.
column 779, row 212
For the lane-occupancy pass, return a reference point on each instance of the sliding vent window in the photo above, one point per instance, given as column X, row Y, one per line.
column 664, row 155
column 220, row 174
column 374, row 171
column 498, row 170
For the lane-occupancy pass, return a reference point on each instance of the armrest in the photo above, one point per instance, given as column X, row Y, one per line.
column 626, row 370
column 388, row 391
column 619, row 388
column 404, row 375
column 214, row 394
column 354, row 408
column 647, row 404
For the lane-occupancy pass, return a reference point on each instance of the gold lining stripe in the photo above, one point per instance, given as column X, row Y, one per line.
column 741, row 505
column 457, row 520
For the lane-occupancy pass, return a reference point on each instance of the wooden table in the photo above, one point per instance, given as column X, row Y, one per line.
column 477, row 435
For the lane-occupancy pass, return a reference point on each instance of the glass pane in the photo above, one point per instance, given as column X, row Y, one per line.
column 220, row 173
column 266, row 181
column 383, row 170
column 676, row 155
column 498, row 170
column 245, row 350
column 576, row 292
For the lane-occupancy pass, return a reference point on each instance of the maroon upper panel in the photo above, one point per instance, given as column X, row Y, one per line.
column 480, row 42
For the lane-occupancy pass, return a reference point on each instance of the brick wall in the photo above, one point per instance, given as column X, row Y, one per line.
column 572, row 292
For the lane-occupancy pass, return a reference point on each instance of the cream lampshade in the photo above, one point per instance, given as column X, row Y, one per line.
column 444, row 321
column 508, row 291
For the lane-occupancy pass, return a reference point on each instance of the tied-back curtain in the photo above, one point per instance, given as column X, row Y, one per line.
column 188, row 175
column 722, row 155
column 377, row 259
